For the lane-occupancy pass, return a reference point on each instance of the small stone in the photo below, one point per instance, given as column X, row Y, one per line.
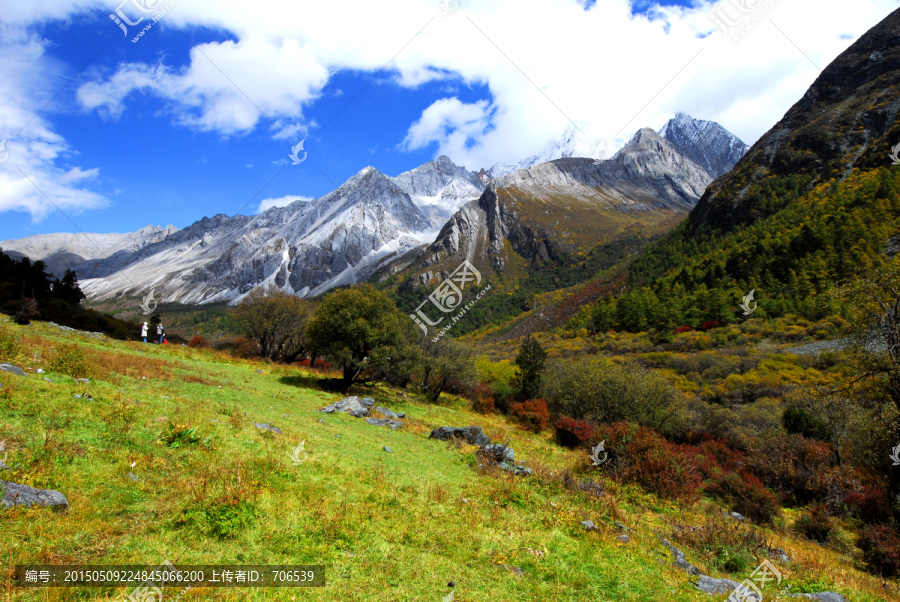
column 83, row 380
column 338, row 436
column 719, row 586
column 214, row 420
column 465, row 501
column 132, row 476
column 48, row 380
column 259, row 371
column 387, row 449
column 392, row 424
column 23, row 495
column 451, row 584
column 268, row 427
column 12, row 369
column 350, row 405
column 321, row 420
column 588, row 525
column 77, row 396
column 623, row 538
column 472, row 434
column 737, row 516
column 39, row 371
column 621, row 527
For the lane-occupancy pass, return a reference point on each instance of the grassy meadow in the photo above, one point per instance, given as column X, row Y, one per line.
column 214, row 489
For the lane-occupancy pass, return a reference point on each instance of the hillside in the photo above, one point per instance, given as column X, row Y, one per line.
column 812, row 202
column 398, row 525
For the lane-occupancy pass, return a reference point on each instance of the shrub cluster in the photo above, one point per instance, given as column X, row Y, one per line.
column 532, row 414
column 198, row 342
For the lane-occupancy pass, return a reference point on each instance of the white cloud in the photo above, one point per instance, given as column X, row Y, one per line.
column 37, row 176
column 543, row 61
column 284, row 201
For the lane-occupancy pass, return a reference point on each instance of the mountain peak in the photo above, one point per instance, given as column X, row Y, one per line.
column 706, row 143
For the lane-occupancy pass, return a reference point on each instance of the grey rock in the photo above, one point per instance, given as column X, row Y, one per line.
column 12, row 369
column 367, row 401
column 214, row 420
column 23, row 495
column 680, row 560
column 706, row 143
column 781, row 555
column 623, row 538
column 719, row 586
column 259, row 371
column 390, row 413
column 132, row 476
column 39, row 371
column 471, row 434
column 441, row 179
column 821, row 597
column 736, row 515
column 387, row 449
column 322, row 420
column 622, row 528
column 500, row 452
column 588, row 525
column 392, row 424
column 77, row 396
column 83, row 380
column 48, row 380
column 268, row 427
column 349, row 405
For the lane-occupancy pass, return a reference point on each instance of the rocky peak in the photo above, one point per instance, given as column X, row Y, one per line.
column 706, row 143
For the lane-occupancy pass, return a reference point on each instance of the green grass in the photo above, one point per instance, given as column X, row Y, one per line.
column 386, row 526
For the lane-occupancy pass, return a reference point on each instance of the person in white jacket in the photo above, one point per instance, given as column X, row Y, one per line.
column 144, row 332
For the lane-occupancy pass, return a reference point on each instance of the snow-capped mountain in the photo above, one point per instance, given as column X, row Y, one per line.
column 440, row 188
column 706, row 143
column 64, row 250
column 303, row 248
column 573, row 143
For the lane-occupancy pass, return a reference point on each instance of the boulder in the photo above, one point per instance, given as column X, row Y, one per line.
column 387, row 449
column 588, row 525
column 350, row 405
column 13, row 369
column 519, row 471
column 367, row 401
column 736, row 516
column 623, row 538
column 498, row 452
column 680, row 560
column 268, row 427
column 472, row 434
column 720, row 586
column 23, row 495
column 392, row 424
column 821, row 597
column 390, row 413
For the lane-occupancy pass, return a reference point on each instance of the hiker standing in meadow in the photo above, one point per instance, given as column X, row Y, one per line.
column 159, row 333
column 144, row 332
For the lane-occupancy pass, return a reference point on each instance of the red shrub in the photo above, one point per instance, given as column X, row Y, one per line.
column 571, row 432
column 533, row 414
column 639, row 455
column 709, row 325
column 483, row 399
column 815, row 523
column 792, row 465
column 198, row 342
column 244, row 348
column 869, row 504
column 681, row 329
column 881, row 549
column 320, row 363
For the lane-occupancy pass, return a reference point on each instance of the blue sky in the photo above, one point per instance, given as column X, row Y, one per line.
column 154, row 132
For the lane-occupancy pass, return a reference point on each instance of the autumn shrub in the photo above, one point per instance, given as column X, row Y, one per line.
column 791, row 465
column 815, row 523
column 747, row 495
column 72, row 360
column 709, row 325
column 198, row 342
column 10, row 347
column 870, row 504
column 681, row 329
column 532, row 414
column 572, row 433
column 880, row 545
column 244, row 348
column 639, row 455
column 483, row 399
column 319, row 363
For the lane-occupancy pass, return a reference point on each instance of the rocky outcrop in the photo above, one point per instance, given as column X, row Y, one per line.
column 472, row 434
column 23, row 495
column 706, row 143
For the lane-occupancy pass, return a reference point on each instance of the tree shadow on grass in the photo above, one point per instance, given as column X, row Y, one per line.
column 312, row 381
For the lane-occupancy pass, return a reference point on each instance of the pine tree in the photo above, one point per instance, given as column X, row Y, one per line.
column 530, row 362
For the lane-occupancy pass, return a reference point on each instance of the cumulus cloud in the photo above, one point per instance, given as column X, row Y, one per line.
column 545, row 63
column 36, row 176
column 284, row 201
